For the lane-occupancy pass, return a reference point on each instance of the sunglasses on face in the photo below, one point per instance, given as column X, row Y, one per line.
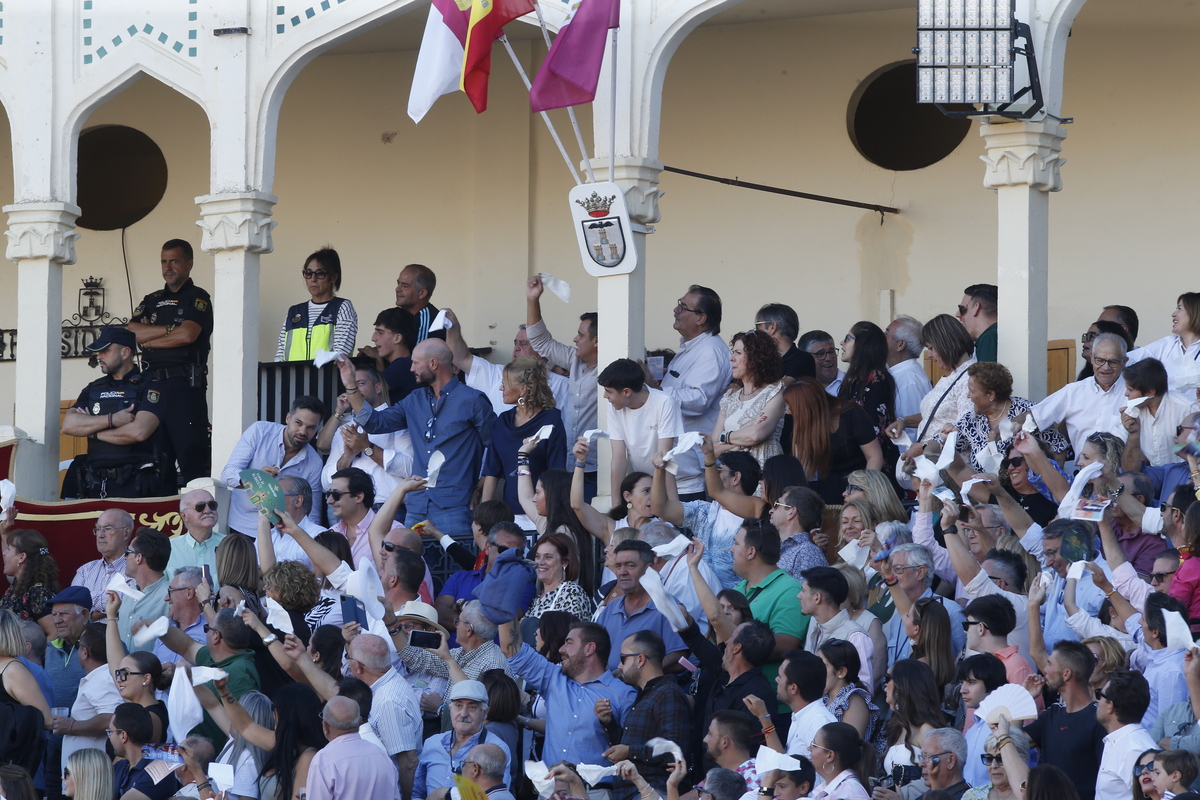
column 1159, row 577
column 1017, row 461
column 335, row 496
column 390, row 547
column 1100, row 695
column 210, row 504
column 988, row 759
column 318, row 274
column 1140, row 768
column 962, row 311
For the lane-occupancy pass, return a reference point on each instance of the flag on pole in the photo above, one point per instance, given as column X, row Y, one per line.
column 440, row 60
column 488, row 18
column 571, row 70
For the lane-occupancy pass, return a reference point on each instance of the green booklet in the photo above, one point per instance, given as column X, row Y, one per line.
column 265, row 493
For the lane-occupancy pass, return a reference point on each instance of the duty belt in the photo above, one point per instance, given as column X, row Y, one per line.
column 172, row 372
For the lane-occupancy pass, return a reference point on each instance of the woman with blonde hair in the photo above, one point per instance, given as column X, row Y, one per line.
column 1110, row 657
column 88, row 775
column 237, row 571
column 17, row 684
column 295, row 587
column 34, row 576
column 855, row 606
column 526, row 386
column 873, row 485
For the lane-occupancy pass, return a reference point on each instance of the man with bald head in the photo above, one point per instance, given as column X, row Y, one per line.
column 197, row 546
column 442, row 416
column 349, row 767
column 113, row 532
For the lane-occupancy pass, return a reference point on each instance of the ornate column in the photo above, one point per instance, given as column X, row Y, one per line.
column 1023, row 164
column 236, row 229
column 41, row 238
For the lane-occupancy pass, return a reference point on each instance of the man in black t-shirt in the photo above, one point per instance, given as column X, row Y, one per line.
column 392, row 341
column 781, row 324
column 1067, row 734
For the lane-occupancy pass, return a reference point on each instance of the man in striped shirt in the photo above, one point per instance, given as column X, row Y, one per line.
column 395, row 711
column 113, row 532
column 414, row 287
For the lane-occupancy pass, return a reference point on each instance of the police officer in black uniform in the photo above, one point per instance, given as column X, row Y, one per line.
column 119, row 414
column 173, row 327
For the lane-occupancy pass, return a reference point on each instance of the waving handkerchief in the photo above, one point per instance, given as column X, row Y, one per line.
column 990, row 458
column 594, row 773
column 1179, row 634
column 673, row 547
column 277, row 616
column 686, row 442
column 667, row 606
column 768, row 759
column 8, row 493
column 903, row 441
column 558, row 287
column 1030, row 425
column 151, row 632
column 539, row 776
column 948, row 449
column 221, row 775
column 965, row 491
column 925, row 469
column 202, row 675
column 1075, row 571
column 117, row 584
column 1007, row 429
column 595, row 433
column 855, row 555
column 323, row 357
column 658, row 746
column 542, row 434
column 436, row 460
column 440, row 323
column 1067, row 507
column 1012, row 700
column 364, row 583
column 1133, row 408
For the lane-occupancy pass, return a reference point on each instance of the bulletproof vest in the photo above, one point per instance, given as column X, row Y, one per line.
column 107, row 396
column 165, row 308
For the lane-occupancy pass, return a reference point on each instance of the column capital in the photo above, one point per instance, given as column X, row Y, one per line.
column 236, row 221
column 42, row 230
column 639, row 178
column 1023, row 154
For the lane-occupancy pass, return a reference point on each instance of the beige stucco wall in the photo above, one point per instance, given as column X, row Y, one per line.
column 482, row 199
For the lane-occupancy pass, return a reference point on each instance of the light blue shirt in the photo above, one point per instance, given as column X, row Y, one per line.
column 620, row 625
column 1163, row 670
column 152, row 606
column 974, row 772
column 436, row 768
column 187, row 552
column 899, row 646
column 573, row 732
column 262, row 446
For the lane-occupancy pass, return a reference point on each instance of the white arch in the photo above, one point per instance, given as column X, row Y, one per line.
column 1053, row 53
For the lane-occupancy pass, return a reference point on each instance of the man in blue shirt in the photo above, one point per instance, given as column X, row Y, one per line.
column 445, row 754
column 442, row 416
column 633, row 611
column 132, row 728
column 578, row 690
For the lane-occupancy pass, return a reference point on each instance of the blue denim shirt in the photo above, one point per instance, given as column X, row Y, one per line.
column 436, row 768
column 458, row 423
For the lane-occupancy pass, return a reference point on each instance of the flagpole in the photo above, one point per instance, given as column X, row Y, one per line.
column 612, row 116
column 587, row 162
column 545, row 116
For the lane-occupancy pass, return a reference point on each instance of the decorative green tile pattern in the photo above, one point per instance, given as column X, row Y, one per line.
column 302, row 15
column 161, row 37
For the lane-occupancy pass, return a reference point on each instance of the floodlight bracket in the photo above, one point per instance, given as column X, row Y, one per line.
column 1021, row 31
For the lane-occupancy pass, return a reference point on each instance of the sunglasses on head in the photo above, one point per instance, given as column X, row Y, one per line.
column 210, row 504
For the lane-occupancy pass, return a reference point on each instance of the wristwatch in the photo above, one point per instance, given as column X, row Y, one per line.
column 368, row 451
column 269, row 640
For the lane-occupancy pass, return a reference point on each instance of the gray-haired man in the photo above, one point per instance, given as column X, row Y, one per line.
column 904, row 348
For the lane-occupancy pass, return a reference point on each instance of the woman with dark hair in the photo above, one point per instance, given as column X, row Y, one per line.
column 831, row 438
column 515, row 449
column 916, row 706
column 504, row 706
column 952, row 350
column 328, row 608
column 325, row 322
column 632, row 510
column 326, row 648
column 15, row 783
column 1179, row 351
column 1186, row 586
column 751, row 415
column 927, row 624
column 1085, row 349
column 846, row 697
column 547, row 503
column 1020, row 476
column 734, row 605
column 138, row 675
column 867, row 380
column 34, row 578
column 843, row 760
column 556, row 563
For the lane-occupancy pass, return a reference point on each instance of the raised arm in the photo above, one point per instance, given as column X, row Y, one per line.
column 597, row 524
column 526, row 489
column 386, row 516
column 458, row 346
column 325, row 437
column 739, row 503
column 321, row 557
column 1037, row 641
column 1042, row 466
column 112, row 635
column 264, row 545
column 240, row 719
column 664, row 497
column 722, row 626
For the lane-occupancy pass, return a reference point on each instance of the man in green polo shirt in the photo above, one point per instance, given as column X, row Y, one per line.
column 771, row 591
column 228, row 649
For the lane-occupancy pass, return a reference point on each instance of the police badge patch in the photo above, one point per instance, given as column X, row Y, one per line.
column 95, row 408
column 201, row 305
column 152, row 396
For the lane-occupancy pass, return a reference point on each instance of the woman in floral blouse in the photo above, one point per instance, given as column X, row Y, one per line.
column 33, row 577
column 557, row 568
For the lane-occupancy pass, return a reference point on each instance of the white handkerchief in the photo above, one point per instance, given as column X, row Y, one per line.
column 202, row 675
column 990, row 458
column 151, row 632
column 685, row 443
column 948, row 450
column 1030, row 425
column 323, row 357
column 117, row 584
column 8, row 493
column 1133, row 408
column 659, row 745
column 926, row 470
column 277, row 617
column 673, row 547
column 539, row 776
column 364, row 584
column 221, row 775
column 184, row 711
column 594, row 773
column 966, row 489
column 652, row 582
column 542, row 433
column 595, row 433
column 853, row 554
column 436, row 460
column 1179, row 635
column 559, row 288
column 1047, row 577
column 903, row 440
column 1011, row 700
column 1067, row 507
column 768, row 759
column 440, row 323
column 1007, row 429
column 1075, row 571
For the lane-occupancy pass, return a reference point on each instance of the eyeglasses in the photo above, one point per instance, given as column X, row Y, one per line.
column 1181, row 428
column 962, row 310
column 1105, row 362
column 683, row 307
column 932, row 760
column 176, row 589
column 762, row 322
column 781, row 504
column 208, row 628
column 628, row 655
column 1138, row 769
column 99, row 529
column 66, row 773
column 318, row 274
column 129, row 551
column 429, row 429
column 849, row 338
column 815, row 746
column 111, row 731
column 123, row 674
column 390, row 547
column 210, row 504
column 1159, row 577
column 1017, row 461
column 1100, row 695
column 1087, row 337
column 829, row 352
column 852, row 488
column 336, row 495
column 904, row 567
column 996, row 579
column 988, row 758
